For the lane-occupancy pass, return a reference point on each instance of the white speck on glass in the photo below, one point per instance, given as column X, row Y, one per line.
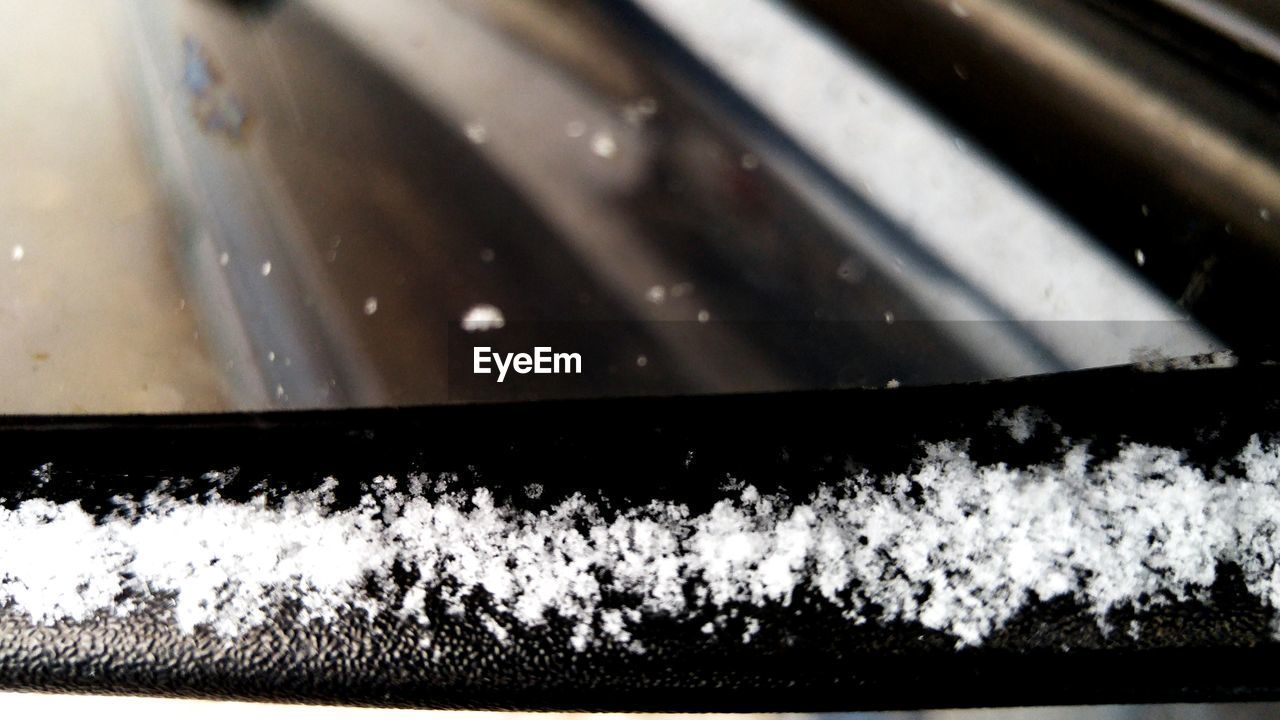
column 478, row 134
column 482, row 318
column 604, row 145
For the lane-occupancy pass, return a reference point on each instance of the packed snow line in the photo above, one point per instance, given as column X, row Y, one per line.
column 952, row 545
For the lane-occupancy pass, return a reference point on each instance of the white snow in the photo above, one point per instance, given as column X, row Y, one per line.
column 949, row 544
column 1021, row 423
column 1149, row 360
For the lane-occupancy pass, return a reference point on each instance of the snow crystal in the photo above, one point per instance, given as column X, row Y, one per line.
column 949, row 544
column 1155, row 361
column 1021, row 423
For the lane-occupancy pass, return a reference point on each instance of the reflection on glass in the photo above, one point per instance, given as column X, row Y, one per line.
column 317, row 203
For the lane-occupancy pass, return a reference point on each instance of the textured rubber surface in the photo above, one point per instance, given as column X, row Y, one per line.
column 632, row 451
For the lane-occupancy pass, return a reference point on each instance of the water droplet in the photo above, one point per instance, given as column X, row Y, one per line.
column 478, row 134
column 266, row 268
column 575, row 129
column 1146, row 211
column 279, row 391
column 656, row 295
column 604, row 145
column 224, row 259
column 642, row 361
column 704, row 316
column 889, row 317
column 750, row 162
column 371, row 306
column 483, row 318
column 1140, row 257
column 271, row 356
column 18, row 253
column 1265, row 214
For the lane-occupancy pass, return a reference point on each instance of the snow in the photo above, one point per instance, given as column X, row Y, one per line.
column 1149, row 360
column 1021, row 423
column 949, row 544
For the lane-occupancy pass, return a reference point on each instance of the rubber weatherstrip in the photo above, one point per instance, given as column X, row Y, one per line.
column 1105, row 536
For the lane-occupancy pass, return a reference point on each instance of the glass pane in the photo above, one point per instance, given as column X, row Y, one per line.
column 214, row 205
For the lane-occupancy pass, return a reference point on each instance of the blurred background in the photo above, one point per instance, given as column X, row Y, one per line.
column 210, row 205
